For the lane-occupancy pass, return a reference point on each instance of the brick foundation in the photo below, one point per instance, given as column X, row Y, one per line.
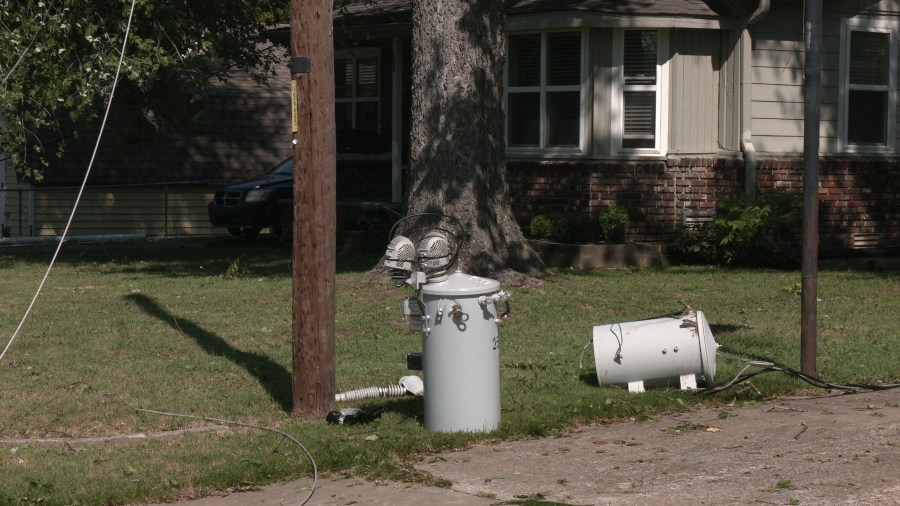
column 857, row 196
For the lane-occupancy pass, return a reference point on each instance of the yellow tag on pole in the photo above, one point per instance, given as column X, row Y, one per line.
column 294, row 126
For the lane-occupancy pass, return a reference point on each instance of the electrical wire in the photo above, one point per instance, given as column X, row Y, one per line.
column 87, row 173
column 312, row 461
column 769, row 367
column 620, row 338
column 581, row 358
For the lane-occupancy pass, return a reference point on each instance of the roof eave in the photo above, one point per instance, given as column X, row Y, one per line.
column 563, row 20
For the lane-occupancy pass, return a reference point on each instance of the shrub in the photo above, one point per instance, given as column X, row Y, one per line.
column 747, row 232
column 541, row 227
column 573, row 228
column 751, row 229
column 695, row 245
column 614, row 222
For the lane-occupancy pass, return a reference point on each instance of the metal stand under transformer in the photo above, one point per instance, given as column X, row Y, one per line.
column 458, row 318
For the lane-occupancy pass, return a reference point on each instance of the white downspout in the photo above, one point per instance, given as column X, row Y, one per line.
column 746, row 99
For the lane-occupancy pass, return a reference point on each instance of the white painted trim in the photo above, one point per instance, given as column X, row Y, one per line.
column 868, row 24
column 617, row 89
column 543, row 89
column 587, row 106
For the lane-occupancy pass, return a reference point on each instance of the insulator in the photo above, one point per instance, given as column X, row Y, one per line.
column 434, row 256
column 400, row 254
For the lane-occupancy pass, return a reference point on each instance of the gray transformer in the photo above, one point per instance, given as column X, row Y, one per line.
column 461, row 353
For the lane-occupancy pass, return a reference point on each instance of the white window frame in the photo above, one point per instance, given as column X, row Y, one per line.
column 543, row 89
column 353, row 99
column 865, row 24
column 618, row 89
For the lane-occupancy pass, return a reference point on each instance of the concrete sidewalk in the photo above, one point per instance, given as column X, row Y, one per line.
column 830, row 450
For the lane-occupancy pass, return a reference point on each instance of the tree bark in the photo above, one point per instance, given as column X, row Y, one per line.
column 457, row 159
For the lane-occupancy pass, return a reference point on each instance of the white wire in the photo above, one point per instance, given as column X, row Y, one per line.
column 87, row 173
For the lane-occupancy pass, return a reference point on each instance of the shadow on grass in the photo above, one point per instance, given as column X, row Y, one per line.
column 271, row 375
column 724, row 328
column 412, row 408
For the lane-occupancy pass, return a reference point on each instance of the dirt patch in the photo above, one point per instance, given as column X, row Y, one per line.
column 840, row 449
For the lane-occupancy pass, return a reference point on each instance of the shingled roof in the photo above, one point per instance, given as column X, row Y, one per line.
column 681, row 8
column 385, row 12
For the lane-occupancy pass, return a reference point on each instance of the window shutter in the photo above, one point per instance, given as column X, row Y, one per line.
column 525, row 60
column 640, row 111
column 343, row 77
column 869, row 52
column 640, row 57
column 563, row 58
column 867, row 99
column 367, row 77
column 639, row 93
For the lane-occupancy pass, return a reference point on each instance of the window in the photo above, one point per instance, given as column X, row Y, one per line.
column 867, row 104
column 356, row 87
column 638, row 101
column 545, row 91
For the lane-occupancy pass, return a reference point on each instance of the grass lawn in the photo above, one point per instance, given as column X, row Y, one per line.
column 187, row 328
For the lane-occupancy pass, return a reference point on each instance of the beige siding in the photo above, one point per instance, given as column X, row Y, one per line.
column 730, row 92
column 154, row 211
column 601, row 65
column 694, row 75
column 777, row 77
column 778, row 59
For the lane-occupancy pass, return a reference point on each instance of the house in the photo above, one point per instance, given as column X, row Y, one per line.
column 663, row 107
column 156, row 178
column 153, row 178
column 668, row 107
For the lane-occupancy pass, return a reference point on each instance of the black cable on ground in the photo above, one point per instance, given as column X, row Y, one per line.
column 285, row 435
column 769, row 366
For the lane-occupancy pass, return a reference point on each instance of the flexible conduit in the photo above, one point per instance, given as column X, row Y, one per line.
column 370, row 392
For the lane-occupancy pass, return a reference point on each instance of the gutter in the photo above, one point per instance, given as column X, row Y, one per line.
column 746, row 84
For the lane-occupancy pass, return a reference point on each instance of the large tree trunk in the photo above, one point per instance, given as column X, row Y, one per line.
column 457, row 160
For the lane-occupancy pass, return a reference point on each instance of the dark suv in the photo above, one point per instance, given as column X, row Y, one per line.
column 363, row 173
column 248, row 206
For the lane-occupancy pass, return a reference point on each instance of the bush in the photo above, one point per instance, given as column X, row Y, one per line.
column 570, row 228
column 751, row 229
column 614, row 222
column 573, row 229
column 747, row 232
column 695, row 245
column 541, row 227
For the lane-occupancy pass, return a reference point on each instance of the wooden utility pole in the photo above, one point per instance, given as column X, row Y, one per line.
column 812, row 31
column 312, row 104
